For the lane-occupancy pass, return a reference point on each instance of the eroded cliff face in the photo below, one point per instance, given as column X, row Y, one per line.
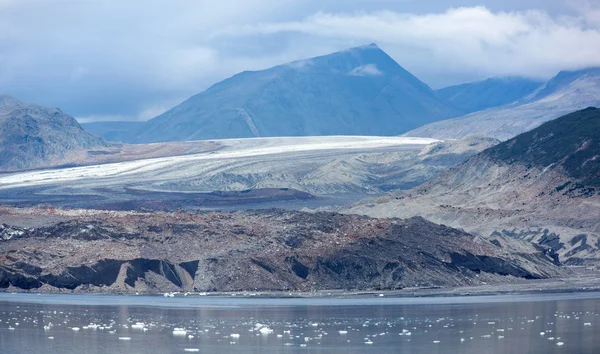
column 260, row 250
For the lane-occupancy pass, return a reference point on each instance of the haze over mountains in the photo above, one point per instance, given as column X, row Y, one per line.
column 359, row 91
column 566, row 92
column 493, row 92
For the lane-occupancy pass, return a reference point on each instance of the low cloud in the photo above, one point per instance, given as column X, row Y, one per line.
column 366, row 70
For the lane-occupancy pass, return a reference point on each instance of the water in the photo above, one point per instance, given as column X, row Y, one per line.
column 558, row 323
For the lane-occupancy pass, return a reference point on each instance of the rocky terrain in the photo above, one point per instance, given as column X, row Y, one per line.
column 359, row 91
column 53, row 250
column 565, row 93
column 542, row 186
column 347, row 167
column 33, row 136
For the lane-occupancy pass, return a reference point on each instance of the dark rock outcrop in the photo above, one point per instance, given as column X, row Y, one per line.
column 259, row 250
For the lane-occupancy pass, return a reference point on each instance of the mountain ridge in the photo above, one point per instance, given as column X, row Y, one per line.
column 541, row 186
column 492, row 92
column 32, row 136
column 359, row 91
column 567, row 92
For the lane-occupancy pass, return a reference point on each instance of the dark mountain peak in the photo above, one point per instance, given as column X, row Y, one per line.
column 357, row 91
column 366, row 60
column 369, row 46
column 571, row 142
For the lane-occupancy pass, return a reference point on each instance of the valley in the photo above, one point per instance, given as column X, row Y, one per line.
column 296, row 177
column 326, row 167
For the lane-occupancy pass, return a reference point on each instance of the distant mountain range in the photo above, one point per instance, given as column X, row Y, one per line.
column 567, row 92
column 542, row 186
column 359, row 91
column 33, row 136
column 477, row 96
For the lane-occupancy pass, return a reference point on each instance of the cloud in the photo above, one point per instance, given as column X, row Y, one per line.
column 122, row 59
column 366, row 70
column 476, row 39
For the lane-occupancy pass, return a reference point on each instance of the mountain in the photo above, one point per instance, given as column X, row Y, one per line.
column 113, row 131
column 542, row 186
column 269, row 250
column 493, row 92
column 32, row 136
column 571, row 144
column 567, row 92
column 359, row 91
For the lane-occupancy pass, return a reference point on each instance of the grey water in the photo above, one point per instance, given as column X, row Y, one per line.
column 541, row 323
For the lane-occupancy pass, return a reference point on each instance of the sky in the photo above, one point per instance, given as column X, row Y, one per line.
column 132, row 60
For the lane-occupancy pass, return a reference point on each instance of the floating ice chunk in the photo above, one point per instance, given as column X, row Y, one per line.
column 51, row 338
column 368, row 342
column 343, row 332
column 138, row 325
column 76, row 329
column 462, row 339
column 234, row 335
column 587, row 324
column 265, row 330
column 124, row 338
column 542, row 333
column 191, row 350
column 436, row 341
column 560, row 344
column 179, row 332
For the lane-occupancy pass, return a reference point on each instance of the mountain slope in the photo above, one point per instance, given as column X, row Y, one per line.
column 571, row 143
column 493, row 92
column 32, row 136
column 542, row 186
column 360, row 91
column 567, row 92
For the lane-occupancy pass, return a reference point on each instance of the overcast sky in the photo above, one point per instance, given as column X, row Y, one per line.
column 131, row 60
